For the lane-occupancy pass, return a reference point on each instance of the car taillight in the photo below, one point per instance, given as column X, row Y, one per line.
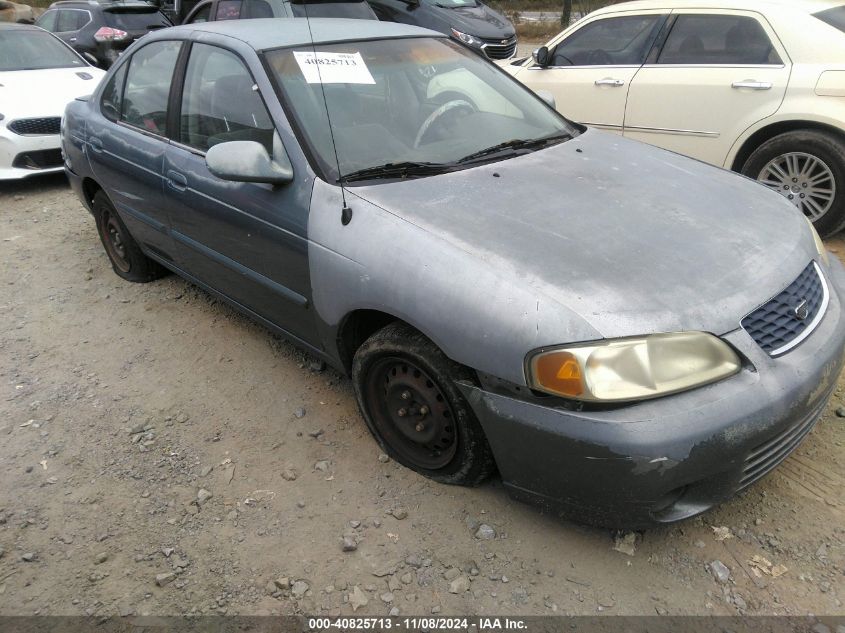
column 108, row 34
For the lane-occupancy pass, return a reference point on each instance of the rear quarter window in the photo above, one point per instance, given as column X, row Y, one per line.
column 835, row 17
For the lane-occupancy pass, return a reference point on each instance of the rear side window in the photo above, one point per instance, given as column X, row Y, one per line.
column 136, row 20
column 718, row 39
column 220, row 102
column 835, row 17
column 228, row 10
column 147, row 89
column 48, row 21
column 610, row 42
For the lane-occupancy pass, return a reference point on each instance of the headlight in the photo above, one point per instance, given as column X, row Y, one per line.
column 632, row 368
column 468, row 39
column 818, row 240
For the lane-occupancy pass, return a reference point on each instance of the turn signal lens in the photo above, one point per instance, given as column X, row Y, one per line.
column 633, row 368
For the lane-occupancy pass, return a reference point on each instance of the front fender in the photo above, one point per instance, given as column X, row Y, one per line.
column 478, row 316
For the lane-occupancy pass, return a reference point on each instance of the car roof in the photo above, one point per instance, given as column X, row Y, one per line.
column 266, row 33
column 17, row 26
column 808, row 6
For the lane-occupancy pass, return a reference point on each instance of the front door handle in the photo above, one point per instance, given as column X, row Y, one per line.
column 73, row 39
column 750, row 84
column 176, row 180
column 609, row 81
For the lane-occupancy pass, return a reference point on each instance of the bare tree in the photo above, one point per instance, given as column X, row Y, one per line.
column 566, row 14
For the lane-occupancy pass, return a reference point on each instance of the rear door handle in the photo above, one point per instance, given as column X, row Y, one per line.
column 176, row 180
column 95, row 144
column 750, row 84
column 73, row 39
column 609, row 81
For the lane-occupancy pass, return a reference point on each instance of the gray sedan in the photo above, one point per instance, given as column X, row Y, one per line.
column 627, row 335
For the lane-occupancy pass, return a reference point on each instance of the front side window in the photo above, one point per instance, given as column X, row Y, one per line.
column 835, row 17
column 32, row 49
column 424, row 102
column 220, row 102
column 718, row 39
column 148, row 86
column 621, row 41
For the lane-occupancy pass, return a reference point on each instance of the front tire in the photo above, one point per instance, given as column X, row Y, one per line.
column 808, row 168
column 406, row 390
column 126, row 257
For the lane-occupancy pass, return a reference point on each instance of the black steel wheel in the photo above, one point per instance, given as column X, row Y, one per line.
column 126, row 257
column 407, row 393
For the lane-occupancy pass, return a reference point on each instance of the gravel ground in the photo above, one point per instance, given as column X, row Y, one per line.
column 163, row 455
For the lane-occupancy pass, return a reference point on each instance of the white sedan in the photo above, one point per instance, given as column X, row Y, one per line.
column 39, row 76
column 757, row 86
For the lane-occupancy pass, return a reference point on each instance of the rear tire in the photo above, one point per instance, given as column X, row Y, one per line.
column 809, row 166
column 126, row 257
column 406, row 390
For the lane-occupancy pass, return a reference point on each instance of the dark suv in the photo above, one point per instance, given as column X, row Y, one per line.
column 101, row 29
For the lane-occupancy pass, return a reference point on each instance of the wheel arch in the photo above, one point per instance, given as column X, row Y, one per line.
column 775, row 129
column 355, row 328
column 90, row 187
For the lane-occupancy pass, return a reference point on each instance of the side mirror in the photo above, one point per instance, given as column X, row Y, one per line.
column 248, row 161
column 541, row 56
column 548, row 97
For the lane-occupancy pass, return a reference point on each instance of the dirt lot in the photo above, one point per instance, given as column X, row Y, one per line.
column 120, row 402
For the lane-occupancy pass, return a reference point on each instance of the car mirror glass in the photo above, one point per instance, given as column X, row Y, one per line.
column 541, row 56
column 248, row 161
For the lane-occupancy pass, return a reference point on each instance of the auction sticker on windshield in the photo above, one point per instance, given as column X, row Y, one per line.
column 333, row 68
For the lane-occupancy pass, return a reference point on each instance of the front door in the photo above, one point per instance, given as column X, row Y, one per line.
column 591, row 69
column 248, row 241
column 717, row 75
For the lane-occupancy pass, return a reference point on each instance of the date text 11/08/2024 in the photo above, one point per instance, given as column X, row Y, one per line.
column 416, row 624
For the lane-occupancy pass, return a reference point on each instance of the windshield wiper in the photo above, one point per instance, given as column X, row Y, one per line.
column 514, row 145
column 406, row 169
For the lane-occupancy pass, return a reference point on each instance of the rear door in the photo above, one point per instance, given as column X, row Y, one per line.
column 245, row 240
column 718, row 73
column 127, row 139
column 592, row 67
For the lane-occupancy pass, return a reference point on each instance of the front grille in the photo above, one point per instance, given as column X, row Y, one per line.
column 40, row 159
column 776, row 326
column 501, row 48
column 765, row 457
column 36, row 127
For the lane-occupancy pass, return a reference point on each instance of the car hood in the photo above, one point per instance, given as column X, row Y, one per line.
column 480, row 20
column 37, row 93
column 631, row 238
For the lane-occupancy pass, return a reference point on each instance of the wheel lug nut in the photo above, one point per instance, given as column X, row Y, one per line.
column 419, row 427
column 786, row 186
column 406, row 395
column 803, row 196
column 402, row 413
column 794, row 180
column 791, row 197
column 424, row 410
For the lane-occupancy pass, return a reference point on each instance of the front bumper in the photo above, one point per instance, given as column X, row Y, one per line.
column 668, row 459
column 25, row 156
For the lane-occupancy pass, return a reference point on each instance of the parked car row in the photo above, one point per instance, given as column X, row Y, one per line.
column 627, row 335
column 756, row 86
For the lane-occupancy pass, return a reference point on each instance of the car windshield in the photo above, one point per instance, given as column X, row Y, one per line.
column 411, row 106
column 28, row 49
column 835, row 17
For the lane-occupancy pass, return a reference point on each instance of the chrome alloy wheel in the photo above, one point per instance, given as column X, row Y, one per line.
column 803, row 179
